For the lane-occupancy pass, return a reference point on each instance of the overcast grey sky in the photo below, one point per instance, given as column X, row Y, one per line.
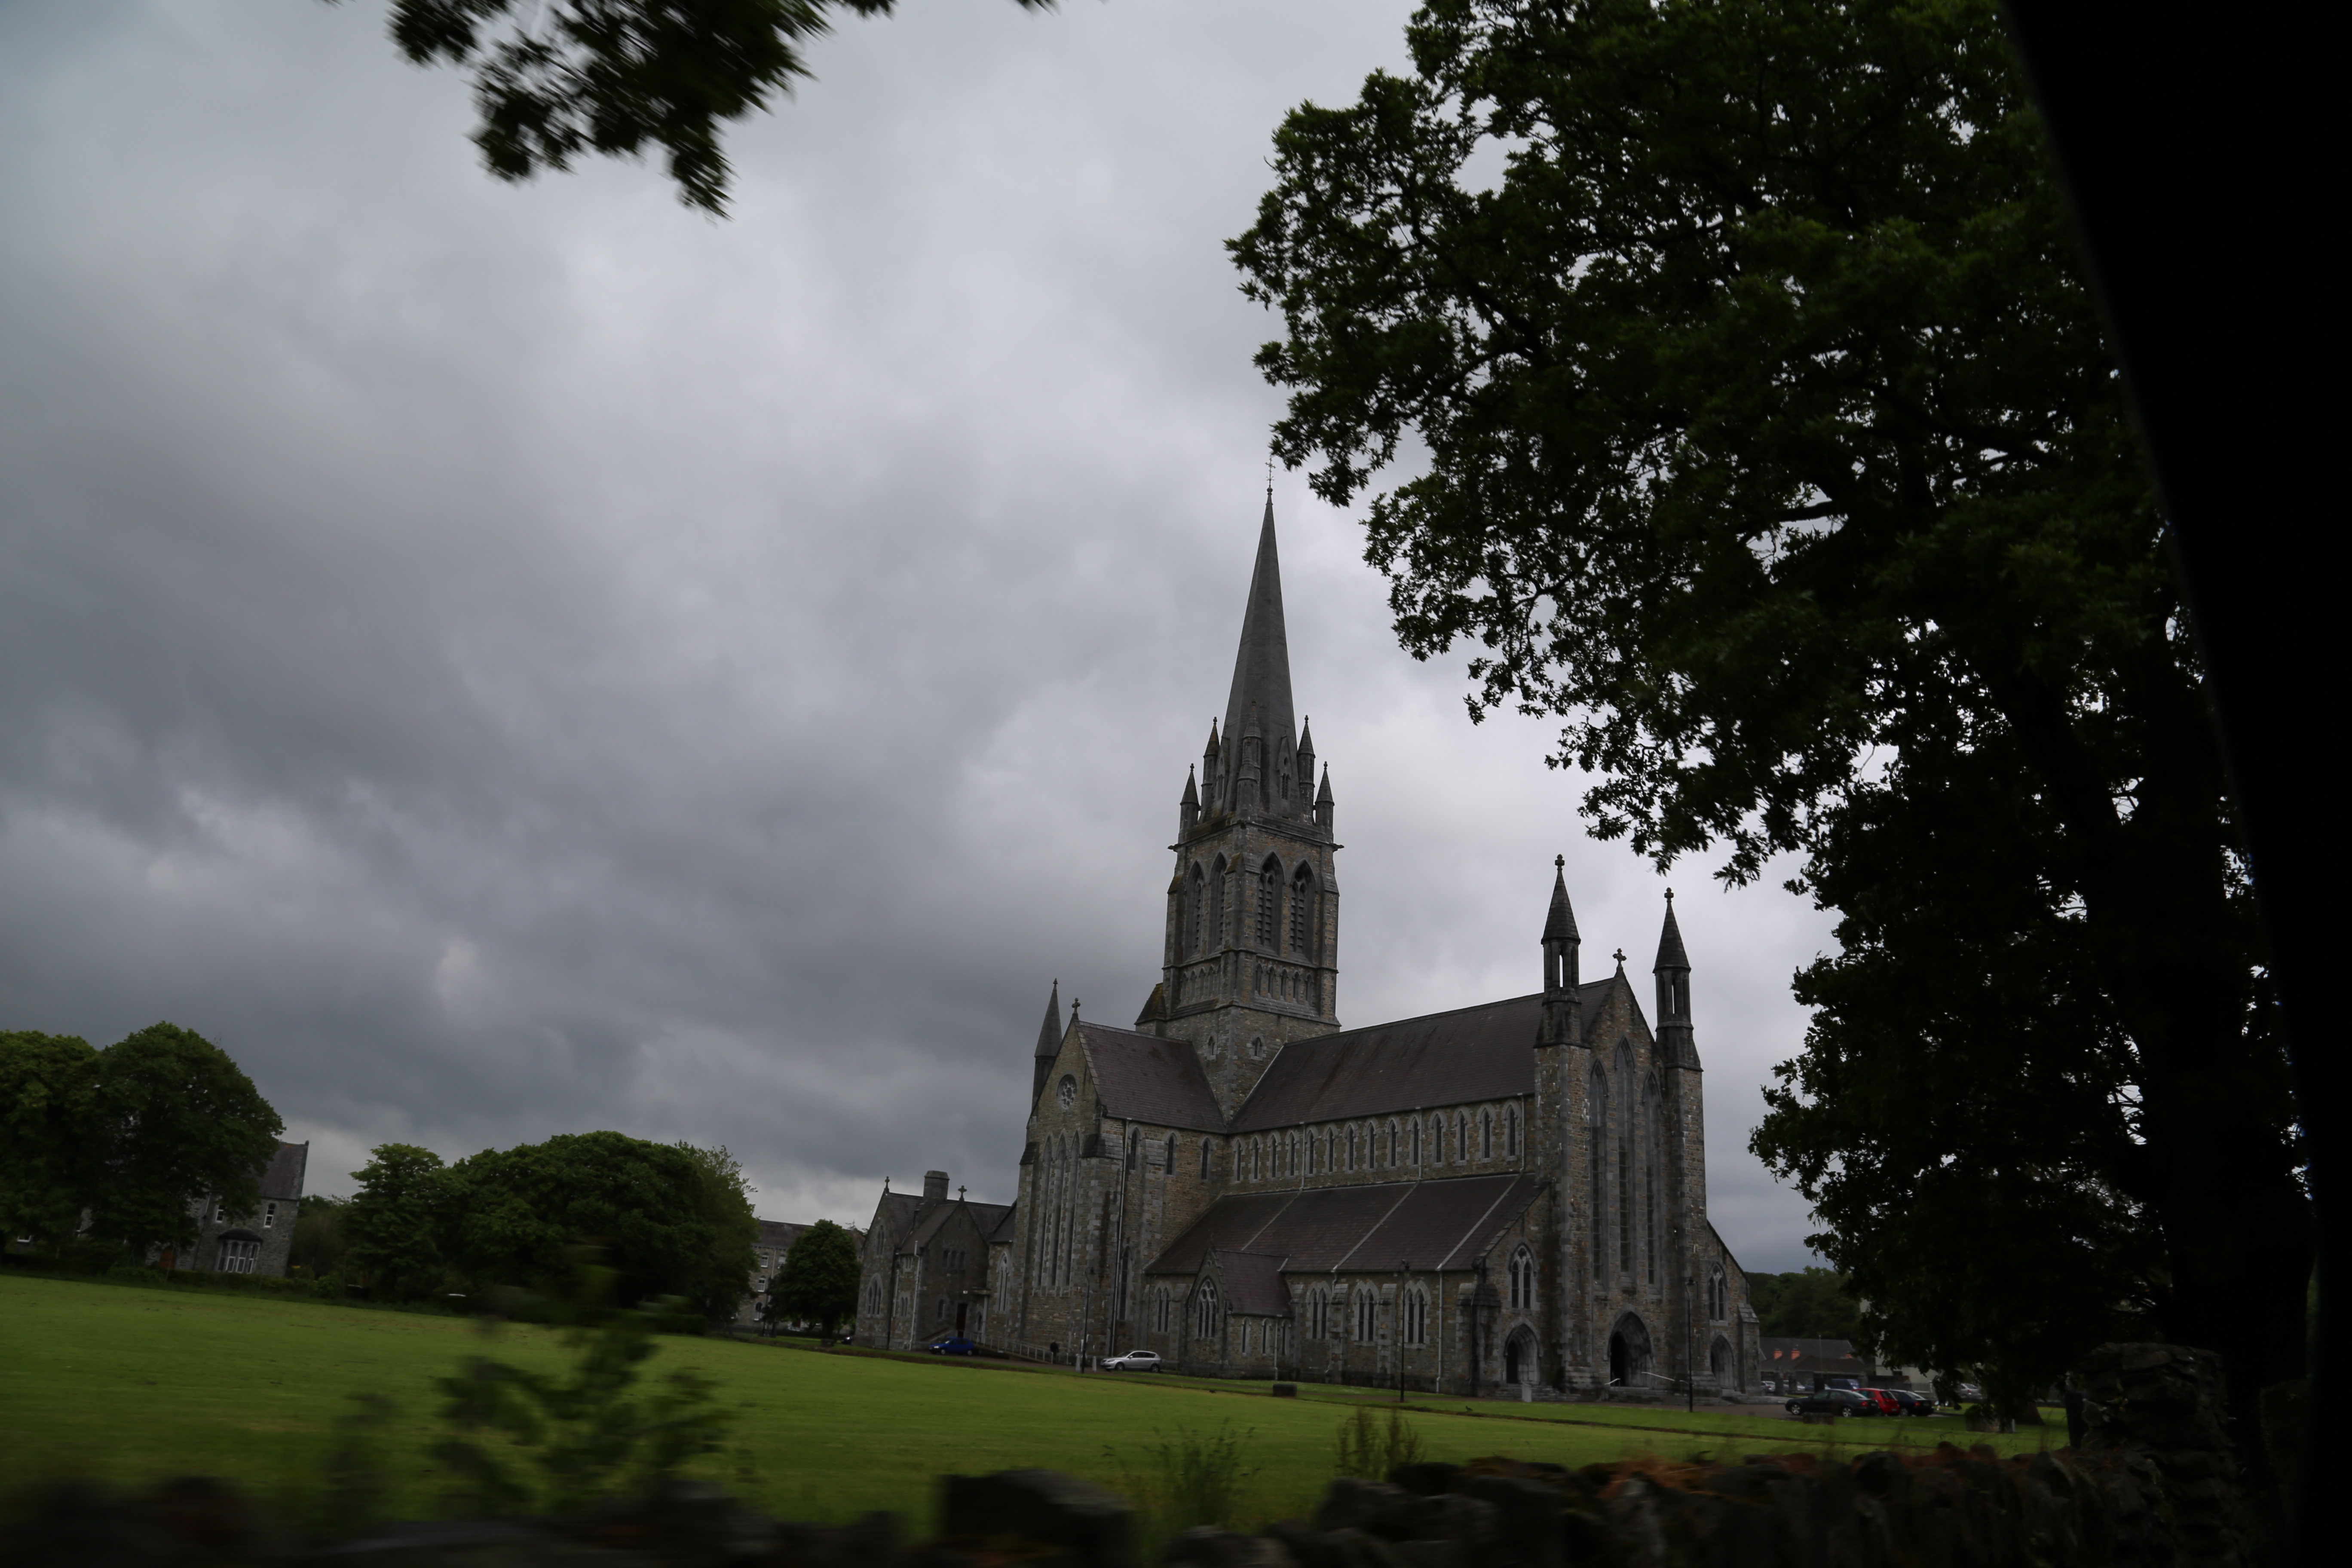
column 511, row 660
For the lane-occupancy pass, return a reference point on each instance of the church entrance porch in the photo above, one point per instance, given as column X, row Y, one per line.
column 1519, row 1360
column 1629, row 1354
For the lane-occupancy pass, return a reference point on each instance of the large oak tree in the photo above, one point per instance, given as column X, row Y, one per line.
column 1724, row 375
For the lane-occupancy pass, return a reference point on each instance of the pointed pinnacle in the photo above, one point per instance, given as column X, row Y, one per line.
column 1670, row 942
column 1049, row 1032
column 1559, row 925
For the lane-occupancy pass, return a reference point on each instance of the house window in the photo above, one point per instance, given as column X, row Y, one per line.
column 268, row 1216
column 239, row 1257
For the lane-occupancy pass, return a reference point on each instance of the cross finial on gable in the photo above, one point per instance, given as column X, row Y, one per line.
column 1619, row 956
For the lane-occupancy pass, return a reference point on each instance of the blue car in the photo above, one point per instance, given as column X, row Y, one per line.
column 956, row 1345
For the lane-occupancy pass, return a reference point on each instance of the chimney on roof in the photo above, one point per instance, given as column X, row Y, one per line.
column 935, row 1186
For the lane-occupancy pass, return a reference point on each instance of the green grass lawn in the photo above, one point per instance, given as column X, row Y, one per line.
column 132, row 1385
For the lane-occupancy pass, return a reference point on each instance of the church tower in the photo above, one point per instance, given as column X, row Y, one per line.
column 1252, row 953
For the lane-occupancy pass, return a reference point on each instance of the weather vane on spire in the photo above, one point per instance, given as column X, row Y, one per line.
column 1269, row 473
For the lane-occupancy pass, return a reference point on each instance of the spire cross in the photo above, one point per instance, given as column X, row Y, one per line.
column 1559, row 862
column 1670, row 895
column 959, row 1192
column 1619, row 956
column 1269, row 474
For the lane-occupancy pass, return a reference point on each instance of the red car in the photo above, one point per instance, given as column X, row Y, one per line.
column 1887, row 1403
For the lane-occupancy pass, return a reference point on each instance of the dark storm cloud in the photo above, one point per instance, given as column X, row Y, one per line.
column 504, row 662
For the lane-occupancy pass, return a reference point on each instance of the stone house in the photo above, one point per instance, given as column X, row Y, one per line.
column 1507, row 1195
column 262, row 1242
column 926, row 1267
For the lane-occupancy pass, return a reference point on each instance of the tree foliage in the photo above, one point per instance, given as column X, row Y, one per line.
column 49, row 1092
column 1809, row 1304
column 818, row 1281
column 175, row 1121
column 1724, row 375
column 395, row 1223
column 651, row 1209
column 555, row 80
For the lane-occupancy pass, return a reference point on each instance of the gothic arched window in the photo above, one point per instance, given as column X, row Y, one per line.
column 1511, row 1130
column 1486, row 1135
column 1269, row 903
column 1437, row 1140
column 1653, row 1178
column 1461, row 1136
column 1205, row 1310
column 1368, row 1315
column 1416, row 1316
column 1523, row 1280
column 1196, row 913
column 1596, row 1131
column 1302, row 902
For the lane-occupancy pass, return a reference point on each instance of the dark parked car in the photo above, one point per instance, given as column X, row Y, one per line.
column 1914, row 1403
column 1832, row 1402
column 958, row 1345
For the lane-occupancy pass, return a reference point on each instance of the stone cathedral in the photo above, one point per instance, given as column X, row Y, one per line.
column 1505, row 1198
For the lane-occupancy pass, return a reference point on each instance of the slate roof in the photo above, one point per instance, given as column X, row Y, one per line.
column 1487, row 1052
column 1003, row 1228
column 1261, row 688
column 897, row 1212
column 1254, row 1284
column 282, row 1177
column 1430, row 1225
column 1146, row 1078
column 777, row 1236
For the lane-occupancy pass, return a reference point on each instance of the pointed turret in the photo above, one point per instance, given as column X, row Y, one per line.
column 1260, row 699
column 1305, row 763
column 1188, row 810
column 1208, row 782
column 1323, row 803
column 1676, row 1041
column 1049, row 1043
column 1563, row 1018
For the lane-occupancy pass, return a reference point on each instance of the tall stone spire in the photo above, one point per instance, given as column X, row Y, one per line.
column 1049, row 1043
column 1676, row 1038
column 1563, row 1016
column 1260, row 767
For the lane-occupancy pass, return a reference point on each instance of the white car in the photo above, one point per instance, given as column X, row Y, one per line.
column 1133, row 1360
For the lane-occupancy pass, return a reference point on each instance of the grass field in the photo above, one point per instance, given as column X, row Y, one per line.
column 129, row 1385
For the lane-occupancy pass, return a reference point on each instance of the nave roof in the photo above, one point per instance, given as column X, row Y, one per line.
column 1376, row 1228
column 1485, row 1052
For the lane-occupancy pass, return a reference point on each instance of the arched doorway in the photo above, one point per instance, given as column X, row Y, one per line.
column 1719, row 1358
column 1520, row 1362
column 1629, row 1350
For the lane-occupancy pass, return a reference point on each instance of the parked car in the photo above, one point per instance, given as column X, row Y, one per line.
column 1883, row 1398
column 1133, row 1360
column 1913, row 1402
column 953, row 1345
column 1832, row 1402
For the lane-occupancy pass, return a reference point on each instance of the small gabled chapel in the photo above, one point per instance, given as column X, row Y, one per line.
column 1507, row 1197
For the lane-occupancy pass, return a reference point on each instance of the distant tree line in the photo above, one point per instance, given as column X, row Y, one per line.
column 116, row 1150
column 669, row 1221
column 1809, row 1304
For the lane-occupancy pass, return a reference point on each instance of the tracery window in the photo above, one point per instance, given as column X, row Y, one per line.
column 1205, row 1310
column 1522, row 1273
column 1415, row 1316
column 1368, row 1315
column 1196, row 910
column 1596, row 1135
column 1269, row 904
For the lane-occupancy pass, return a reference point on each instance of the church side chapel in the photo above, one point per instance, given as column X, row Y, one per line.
column 1508, row 1198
